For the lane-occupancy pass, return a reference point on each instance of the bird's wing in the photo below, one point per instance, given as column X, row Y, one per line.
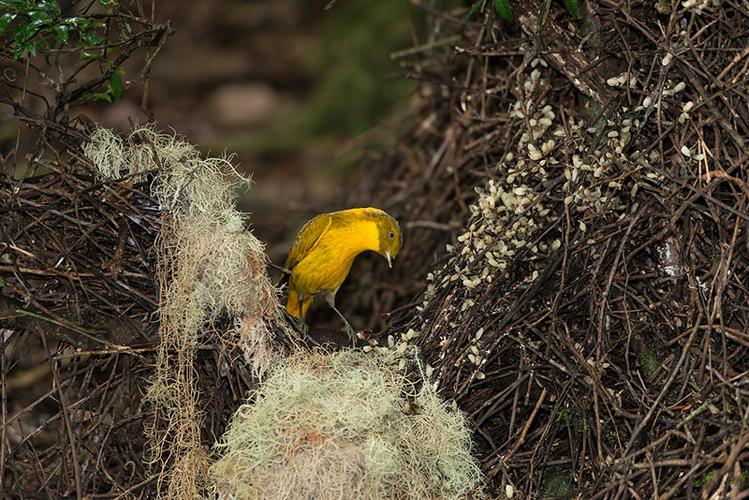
column 307, row 238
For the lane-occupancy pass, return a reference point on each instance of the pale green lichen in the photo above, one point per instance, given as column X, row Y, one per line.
column 346, row 425
column 209, row 266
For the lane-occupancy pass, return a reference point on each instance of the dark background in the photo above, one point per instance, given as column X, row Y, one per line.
column 300, row 92
column 293, row 88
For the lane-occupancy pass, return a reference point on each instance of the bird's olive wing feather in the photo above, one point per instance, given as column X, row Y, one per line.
column 307, row 239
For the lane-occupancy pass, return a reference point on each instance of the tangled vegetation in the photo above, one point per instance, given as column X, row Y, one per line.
column 210, row 267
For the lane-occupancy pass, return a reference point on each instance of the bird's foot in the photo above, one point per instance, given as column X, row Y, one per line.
column 346, row 325
column 302, row 326
column 351, row 332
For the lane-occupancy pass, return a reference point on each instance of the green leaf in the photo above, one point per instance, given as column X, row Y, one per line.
column 22, row 33
column 102, row 96
column 62, row 33
column 91, row 38
column 472, row 11
column 23, row 36
column 88, row 56
column 108, row 3
column 503, row 9
column 115, row 85
column 5, row 20
column 571, row 6
column 2, row 282
column 50, row 6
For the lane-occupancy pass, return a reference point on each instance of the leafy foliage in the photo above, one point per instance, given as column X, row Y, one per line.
column 571, row 6
column 38, row 27
column 113, row 89
column 502, row 7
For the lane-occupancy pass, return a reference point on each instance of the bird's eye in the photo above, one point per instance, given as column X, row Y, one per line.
column 392, row 235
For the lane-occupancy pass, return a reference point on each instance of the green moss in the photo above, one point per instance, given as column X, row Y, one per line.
column 593, row 114
column 704, row 479
column 663, row 6
column 649, row 363
column 8, row 130
column 557, row 484
column 563, row 415
column 708, row 477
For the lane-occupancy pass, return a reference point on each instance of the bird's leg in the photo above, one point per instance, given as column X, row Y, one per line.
column 346, row 326
column 300, row 323
column 330, row 299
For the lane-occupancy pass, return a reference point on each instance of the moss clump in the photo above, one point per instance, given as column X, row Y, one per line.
column 707, row 478
column 650, row 363
column 345, row 425
column 704, row 479
column 557, row 485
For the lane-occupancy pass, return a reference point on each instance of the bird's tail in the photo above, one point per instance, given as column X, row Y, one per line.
column 293, row 304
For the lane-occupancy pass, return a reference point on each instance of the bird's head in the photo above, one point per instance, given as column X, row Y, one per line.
column 391, row 239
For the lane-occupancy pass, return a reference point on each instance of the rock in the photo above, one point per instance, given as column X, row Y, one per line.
column 122, row 115
column 237, row 105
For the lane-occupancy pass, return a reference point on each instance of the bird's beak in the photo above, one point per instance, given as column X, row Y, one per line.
column 390, row 260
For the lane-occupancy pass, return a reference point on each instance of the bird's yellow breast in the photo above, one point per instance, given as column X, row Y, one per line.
column 328, row 262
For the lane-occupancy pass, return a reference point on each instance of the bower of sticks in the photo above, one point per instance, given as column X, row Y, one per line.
column 573, row 189
column 583, row 186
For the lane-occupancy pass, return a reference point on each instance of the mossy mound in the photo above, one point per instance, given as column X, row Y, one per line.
column 346, row 425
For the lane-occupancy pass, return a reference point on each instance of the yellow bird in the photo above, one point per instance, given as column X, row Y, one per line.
column 325, row 249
